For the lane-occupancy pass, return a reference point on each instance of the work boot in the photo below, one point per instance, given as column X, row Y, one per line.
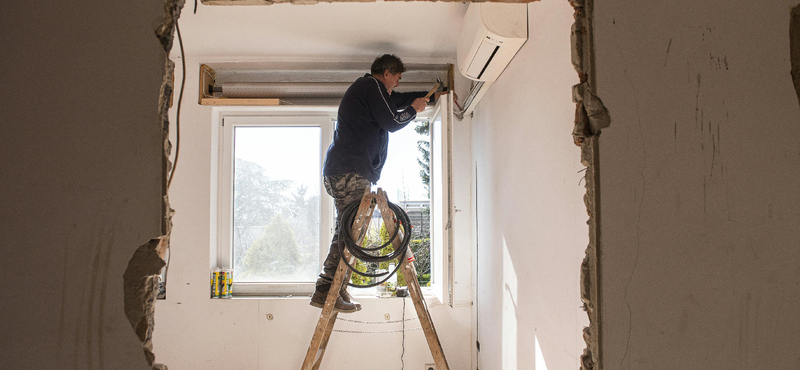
column 348, row 298
column 318, row 300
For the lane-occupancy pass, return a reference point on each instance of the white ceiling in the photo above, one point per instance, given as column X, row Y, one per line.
column 415, row 31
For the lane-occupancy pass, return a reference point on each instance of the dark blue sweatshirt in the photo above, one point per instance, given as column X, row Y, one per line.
column 366, row 115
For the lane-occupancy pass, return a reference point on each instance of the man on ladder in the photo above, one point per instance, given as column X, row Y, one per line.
column 369, row 110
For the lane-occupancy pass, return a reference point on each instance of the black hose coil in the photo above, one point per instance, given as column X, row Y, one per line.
column 362, row 253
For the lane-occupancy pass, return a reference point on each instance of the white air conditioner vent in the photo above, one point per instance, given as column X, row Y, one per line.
column 490, row 36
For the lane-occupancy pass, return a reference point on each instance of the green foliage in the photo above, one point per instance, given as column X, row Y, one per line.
column 275, row 253
column 421, row 250
column 358, row 279
column 370, row 238
column 257, row 199
column 422, row 259
column 420, row 247
column 424, row 147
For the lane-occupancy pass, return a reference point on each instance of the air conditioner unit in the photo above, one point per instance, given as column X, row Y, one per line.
column 490, row 36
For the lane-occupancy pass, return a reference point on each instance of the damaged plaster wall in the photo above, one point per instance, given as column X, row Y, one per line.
column 531, row 220
column 82, row 149
column 700, row 208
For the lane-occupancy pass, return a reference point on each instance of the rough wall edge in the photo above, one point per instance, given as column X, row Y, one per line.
column 141, row 277
column 794, row 48
column 591, row 117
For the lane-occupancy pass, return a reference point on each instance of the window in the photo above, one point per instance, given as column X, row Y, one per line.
column 275, row 220
column 273, row 205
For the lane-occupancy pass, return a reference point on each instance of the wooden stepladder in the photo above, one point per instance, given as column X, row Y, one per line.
column 322, row 333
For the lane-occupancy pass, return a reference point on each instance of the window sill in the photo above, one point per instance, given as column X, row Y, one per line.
column 295, row 290
column 427, row 295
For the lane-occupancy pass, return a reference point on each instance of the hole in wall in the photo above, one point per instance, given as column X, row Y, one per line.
column 590, row 117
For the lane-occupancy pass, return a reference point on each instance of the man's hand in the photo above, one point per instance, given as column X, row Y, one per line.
column 420, row 104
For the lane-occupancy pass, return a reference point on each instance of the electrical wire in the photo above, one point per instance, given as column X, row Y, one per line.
column 177, row 137
column 366, row 254
column 180, row 100
column 402, row 361
column 205, row 93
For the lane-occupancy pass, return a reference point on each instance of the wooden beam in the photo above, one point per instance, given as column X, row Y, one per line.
column 451, row 78
column 208, row 77
column 240, row 101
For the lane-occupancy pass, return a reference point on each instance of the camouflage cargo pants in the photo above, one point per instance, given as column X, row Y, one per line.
column 344, row 189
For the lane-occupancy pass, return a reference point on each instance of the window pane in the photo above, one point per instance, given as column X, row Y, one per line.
column 276, row 209
column 406, row 179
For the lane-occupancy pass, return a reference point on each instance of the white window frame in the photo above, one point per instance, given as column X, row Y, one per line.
column 222, row 194
column 226, row 119
column 441, row 137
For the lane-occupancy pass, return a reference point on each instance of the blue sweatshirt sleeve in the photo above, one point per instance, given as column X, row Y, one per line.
column 385, row 111
column 403, row 100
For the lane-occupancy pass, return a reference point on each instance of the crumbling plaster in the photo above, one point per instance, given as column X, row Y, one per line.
column 141, row 278
column 590, row 117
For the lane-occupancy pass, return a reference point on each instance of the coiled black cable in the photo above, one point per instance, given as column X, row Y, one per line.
column 363, row 253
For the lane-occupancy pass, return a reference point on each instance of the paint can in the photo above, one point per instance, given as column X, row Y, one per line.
column 229, row 283
column 222, row 283
column 214, row 282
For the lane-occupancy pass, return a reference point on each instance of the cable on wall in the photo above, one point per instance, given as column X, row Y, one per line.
column 177, row 136
column 403, row 353
column 366, row 253
column 180, row 100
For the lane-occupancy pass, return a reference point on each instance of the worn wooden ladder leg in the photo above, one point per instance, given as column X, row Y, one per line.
column 410, row 275
column 327, row 319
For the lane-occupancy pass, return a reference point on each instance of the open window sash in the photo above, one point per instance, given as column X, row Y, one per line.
column 441, row 210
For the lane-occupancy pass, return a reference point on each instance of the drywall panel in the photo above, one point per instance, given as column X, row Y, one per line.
column 700, row 214
column 284, row 339
column 531, row 220
column 80, row 174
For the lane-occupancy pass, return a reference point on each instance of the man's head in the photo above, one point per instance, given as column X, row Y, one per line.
column 387, row 68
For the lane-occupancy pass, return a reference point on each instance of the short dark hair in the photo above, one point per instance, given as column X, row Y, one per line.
column 387, row 62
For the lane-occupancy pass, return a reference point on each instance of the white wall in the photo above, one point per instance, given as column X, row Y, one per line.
column 80, row 174
column 531, row 219
column 196, row 332
column 324, row 30
column 700, row 217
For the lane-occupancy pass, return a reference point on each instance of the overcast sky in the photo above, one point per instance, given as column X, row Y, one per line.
column 293, row 153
